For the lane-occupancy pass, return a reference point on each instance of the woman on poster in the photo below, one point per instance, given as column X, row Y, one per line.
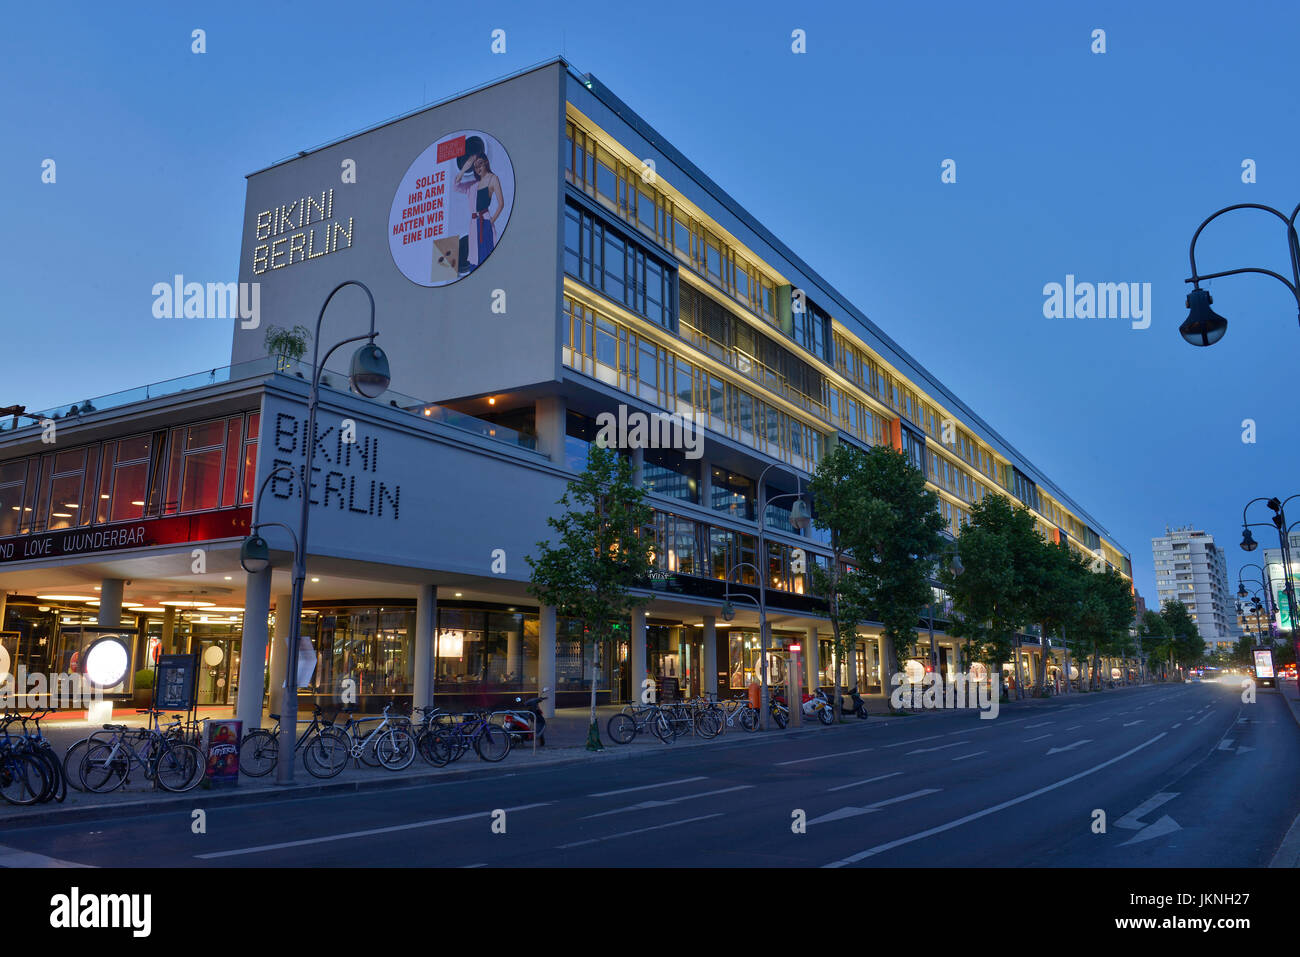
column 482, row 188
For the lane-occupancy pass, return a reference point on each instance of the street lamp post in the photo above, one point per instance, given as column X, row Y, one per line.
column 1203, row 326
column 1249, row 544
column 369, row 376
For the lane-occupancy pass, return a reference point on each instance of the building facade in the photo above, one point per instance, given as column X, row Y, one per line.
column 539, row 257
column 1192, row 569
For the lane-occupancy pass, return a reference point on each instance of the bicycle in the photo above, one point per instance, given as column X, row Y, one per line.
column 451, row 741
column 325, row 748
column 172, row 765
column 390, row 744
column 631, row 721
column 30, row 773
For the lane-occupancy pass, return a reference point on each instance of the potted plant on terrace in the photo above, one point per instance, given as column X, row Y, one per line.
column 287, row 345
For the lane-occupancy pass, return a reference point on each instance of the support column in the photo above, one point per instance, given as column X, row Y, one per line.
column 706, row 483
column 110, row 602
column 638, row 467
column 636, row 655
column 550, row 415
column 168, row 630
column 709, row 667
column 546, row 657
column 280, row 652
column 252, row 649
column 426, row 616
column 812, row 656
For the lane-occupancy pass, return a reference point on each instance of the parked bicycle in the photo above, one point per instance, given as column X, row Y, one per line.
column 389, row 744
column 171, row 764
column 326, row 749
column 635, row 719
column 453, row 738
column 30, row 771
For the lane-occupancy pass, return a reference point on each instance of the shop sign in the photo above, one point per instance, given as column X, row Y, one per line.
column 174, row 530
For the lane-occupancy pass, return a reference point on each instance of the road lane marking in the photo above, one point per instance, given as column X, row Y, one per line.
column 823, row 757
column 1039, row 738
column 975, row 755
column 1132, row 820
column 367, row 833
column 1030, row 727
column 1129, row 724
column 1225, row 744
column 643, row 830
column 15, row 857
column 921, row 835
column 903, row 744
column 1074, row 727
column 647, row 805
column 867, row 781
column 1178, row 725
column 646, row 787
column 954, row 744
column 842, row 813
column 1070, row 747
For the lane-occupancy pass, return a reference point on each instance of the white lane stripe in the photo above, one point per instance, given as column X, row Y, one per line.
column 14, row 857
column 867, row 781
column 1030, row 727
column 954, row 744
column 823, row 757
column 861, row 855
column 367, row 833
column 1074, row 727
column 646, row 787
column 988, row 724
column 643, row 830
column 646, row 805
column 1039, row 738
column 975, row 755
column 903, row 744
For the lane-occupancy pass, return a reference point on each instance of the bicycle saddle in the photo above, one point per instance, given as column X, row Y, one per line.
column 114, row 727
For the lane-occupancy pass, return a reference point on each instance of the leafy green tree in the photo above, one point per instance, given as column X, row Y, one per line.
column 1001, row 554
column 600, row 553
column 1155, row 637
column 1184, row 647
column 1057, row 586
column 893, row 539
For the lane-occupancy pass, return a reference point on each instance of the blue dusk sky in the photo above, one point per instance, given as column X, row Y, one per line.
column 1068, row 162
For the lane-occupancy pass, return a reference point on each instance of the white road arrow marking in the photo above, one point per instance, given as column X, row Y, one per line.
column 1166, row 825
column 1225, row 744
column 1132, row 820
column 1071, row 747
column 870, row 808
column 1244, row 748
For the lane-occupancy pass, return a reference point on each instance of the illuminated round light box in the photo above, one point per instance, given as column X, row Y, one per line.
column 213, row 656
column 451, row 207
column 107, row 661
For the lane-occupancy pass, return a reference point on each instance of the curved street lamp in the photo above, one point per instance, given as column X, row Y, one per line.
column 1248, row 543
column 1203, row 326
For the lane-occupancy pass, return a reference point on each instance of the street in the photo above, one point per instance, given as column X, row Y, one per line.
column 1186, row 775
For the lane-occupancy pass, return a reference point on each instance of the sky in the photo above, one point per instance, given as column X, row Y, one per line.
column 1068, row 162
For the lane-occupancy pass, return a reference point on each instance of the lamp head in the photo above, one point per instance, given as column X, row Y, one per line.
column 728, row 611
column 800, row 516
column 1241, row 590
column 369, row 374
column 1203, row 326
column 1248, row 543
column 255, row 554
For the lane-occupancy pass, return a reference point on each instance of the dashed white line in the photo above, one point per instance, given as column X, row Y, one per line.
column 642, row 830
column 646, row 787
column 867, row 781
column 965, row 756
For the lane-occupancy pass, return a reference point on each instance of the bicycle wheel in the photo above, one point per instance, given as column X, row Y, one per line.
column 707, row 724
column 661, row 726
column 178, row 766
column 749, row 718
column 444, row 747
column 622, row 728
column 258, row 753
column 23, row 778
column 779, row 718
column 395, row 749
column 493, row 743
column 53, row 775
column 59, row 782
column 368, row 756
column 326, row 753
column 72, row 762
column 103, row 768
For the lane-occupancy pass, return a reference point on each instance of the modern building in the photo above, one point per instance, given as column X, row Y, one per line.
column 1192, row 569
column 1271, row 560
column 539, row 256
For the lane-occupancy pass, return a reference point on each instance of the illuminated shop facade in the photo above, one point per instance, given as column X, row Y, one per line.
column 538, row 256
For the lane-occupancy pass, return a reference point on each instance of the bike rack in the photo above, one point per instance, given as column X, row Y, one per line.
column 528, row 717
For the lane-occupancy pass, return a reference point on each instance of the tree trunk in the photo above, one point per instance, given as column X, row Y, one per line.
column 1020, row 681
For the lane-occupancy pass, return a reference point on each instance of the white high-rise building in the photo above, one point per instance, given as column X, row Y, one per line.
column 1193, row 570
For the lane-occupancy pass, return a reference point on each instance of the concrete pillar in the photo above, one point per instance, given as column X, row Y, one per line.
column 636, row 655
column 252, row 649
column 546, row 658
column 550, row 416
column 168, row 631
column 812, row 651
column 709, row 665
column 638, row 466
column 280, row 651
column 706, row 483
column 426, row 619
column 110, row 602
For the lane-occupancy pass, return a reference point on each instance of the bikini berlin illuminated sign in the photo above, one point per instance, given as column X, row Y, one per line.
column 451, row 208
column 306, row 227
column 344, row 472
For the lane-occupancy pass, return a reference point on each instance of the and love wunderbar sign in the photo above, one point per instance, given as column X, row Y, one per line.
column 92, row 540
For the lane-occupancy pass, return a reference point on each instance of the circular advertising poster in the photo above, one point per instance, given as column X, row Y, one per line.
column 451, row 208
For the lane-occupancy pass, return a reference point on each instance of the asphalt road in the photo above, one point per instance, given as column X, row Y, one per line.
column 1186, row 775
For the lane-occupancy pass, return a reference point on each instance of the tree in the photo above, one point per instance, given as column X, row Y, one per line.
column 1057, row 587
column 600, row 553
column 893, row 538
column 288, row 343
column 840, row 499
column 1154, row 634
column 1184, row 646
column 1000, row 550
